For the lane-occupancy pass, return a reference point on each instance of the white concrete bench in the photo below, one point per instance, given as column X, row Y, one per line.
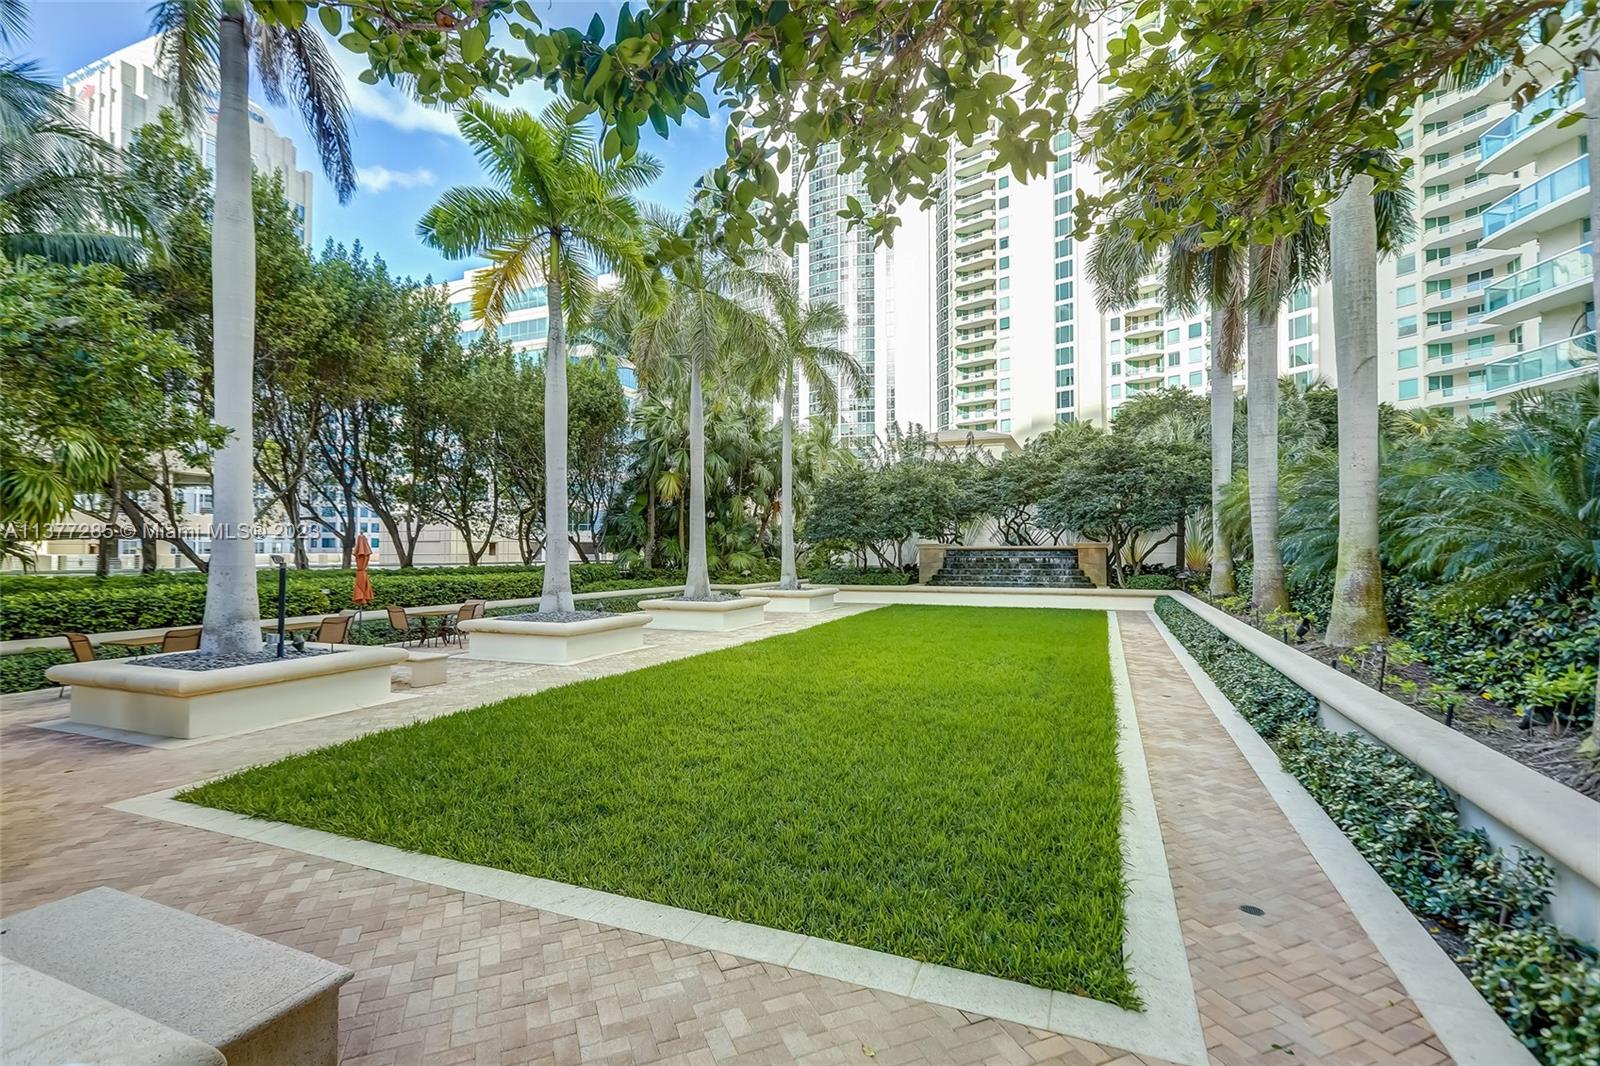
column 45, row 1022
column 257, row 1002
column 428, row 667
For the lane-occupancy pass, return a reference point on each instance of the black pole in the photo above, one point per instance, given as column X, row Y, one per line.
column 283, row 598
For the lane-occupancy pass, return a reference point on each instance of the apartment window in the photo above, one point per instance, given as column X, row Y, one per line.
column 1172, row 336
column 1433, row 192
column 1005, row 202
column 1194, row 330
column 1475, row 345
column 1064, row 357
column 1406, row 358
column 1005, row 262
column 1175, row 380
column 1064, row 248
column 1406, row 295
column 1005, row 181
column 1005, row 242
column 1005, row 424
column 1437, row 287
column 1005, row 384
column 1064, row 269
column 1194, row 379
column 1440, row 382
column 1300, row 354
column 1197, row 355
column 1406, row 325
column 1435, row 222
column 1436, row 159
column 1406, row 264
column 1005, row 221
column 1064, row 399
column 1406, row 137
column 1408, row 388
column 1445, row 350
column 1064, row 290
column 1301, row 327
column 1116, row 347
column 1005, row 303
column 1115, row 324
column 1172, row 358
column 1063, row 334
column 1300, row 300
column 1005, row 283
column 1116, row 370
column 1438, row 255
column 1064, row 312
column 1005, row 322
column 1005, row 364
column 1005, row 403
column 1063, row 378
column 1116, row 392
column 1440, row 319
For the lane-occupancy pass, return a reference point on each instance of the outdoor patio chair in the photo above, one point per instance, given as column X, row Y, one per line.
column 335, row 629
column 82, row 652
column 450, row 628
column 186, row 639
column 401, row 623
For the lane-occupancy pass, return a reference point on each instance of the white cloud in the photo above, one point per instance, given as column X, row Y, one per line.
column 378, row 178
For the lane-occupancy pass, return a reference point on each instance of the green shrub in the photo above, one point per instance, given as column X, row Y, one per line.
column 95, row 605
column 851, row 576
column 1150, row 581
column 1545, row 985
column 24, row 671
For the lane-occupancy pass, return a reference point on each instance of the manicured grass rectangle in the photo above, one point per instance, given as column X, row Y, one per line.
column 935, row 782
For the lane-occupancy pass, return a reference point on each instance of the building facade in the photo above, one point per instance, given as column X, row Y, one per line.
column 1495, row 296
column 116, row 95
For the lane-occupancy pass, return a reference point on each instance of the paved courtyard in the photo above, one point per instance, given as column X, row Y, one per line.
column 448, row 977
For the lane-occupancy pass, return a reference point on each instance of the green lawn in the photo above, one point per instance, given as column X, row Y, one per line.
column 934, row 782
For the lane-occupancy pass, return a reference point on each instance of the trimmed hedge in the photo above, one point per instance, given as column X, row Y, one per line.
column 850, row 576
column 107, row 605
column 1151, row 581
column 1543, row 983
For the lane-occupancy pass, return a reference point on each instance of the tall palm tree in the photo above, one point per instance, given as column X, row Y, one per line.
column 556, row 213
column 698, row 327
column 1363, row 223
column 800, row 346
column 1192, row 274
column 205, row 49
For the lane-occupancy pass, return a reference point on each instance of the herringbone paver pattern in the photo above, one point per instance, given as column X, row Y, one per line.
column 446, row 977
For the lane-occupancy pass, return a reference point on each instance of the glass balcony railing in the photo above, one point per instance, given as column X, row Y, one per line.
column 1565, row 269
column 1557, row 185
column 1518, row 124
column 1531, row 367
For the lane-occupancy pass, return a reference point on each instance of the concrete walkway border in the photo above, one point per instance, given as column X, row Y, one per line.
column 1465, row 1024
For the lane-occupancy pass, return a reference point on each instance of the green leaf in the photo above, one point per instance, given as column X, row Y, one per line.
column 597, row 29
column 697, row 103
column 332, row 19
column 473, row 40
column 354, row 42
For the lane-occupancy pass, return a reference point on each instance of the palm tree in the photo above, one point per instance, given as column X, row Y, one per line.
column 556, row 214
column 61, row 187
column 697, row 327
column 800, row 346
column 1361, row 225
column 206, row 45
column 1192, row 274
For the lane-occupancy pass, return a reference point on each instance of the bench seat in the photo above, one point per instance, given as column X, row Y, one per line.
column 254, row 1000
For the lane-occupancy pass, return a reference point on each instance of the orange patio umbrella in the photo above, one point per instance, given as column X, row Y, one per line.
column 362, row 594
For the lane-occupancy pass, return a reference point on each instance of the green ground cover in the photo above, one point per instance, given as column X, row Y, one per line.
column 935, row 782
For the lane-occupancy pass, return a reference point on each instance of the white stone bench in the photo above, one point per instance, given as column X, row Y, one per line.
column 428, row 667
column 257, row 1002
column 45, row 1022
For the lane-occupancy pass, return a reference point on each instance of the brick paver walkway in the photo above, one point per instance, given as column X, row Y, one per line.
column 446, row 977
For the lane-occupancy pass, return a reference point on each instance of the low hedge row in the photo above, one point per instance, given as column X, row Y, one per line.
column 94, row 605
column 1543, row 983
column 851, row 576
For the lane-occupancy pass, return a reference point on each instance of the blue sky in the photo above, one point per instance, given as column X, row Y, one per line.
column 408, row 154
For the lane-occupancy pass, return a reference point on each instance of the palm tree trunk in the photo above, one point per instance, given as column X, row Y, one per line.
column 1222, row 583
column 697, row 586
column 556, row 594
column 1357, row 616
column 787, row 579
column 649, row 520
column 232, row 623
column 1261, row 388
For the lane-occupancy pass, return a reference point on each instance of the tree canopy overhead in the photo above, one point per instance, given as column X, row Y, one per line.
column 892, row 85
column 1248, row 94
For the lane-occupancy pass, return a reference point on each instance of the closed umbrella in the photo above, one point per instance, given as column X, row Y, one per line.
column 362, row 594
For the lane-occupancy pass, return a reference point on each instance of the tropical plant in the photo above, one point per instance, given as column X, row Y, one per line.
column 206, row 44
column 555, row 214
column 800, row 345
column 65, row 194
column 696, row 328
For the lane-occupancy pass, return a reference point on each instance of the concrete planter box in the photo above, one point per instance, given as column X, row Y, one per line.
column 199, row 703
column 714, row 616
column 553, row 643
column 793, row 601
